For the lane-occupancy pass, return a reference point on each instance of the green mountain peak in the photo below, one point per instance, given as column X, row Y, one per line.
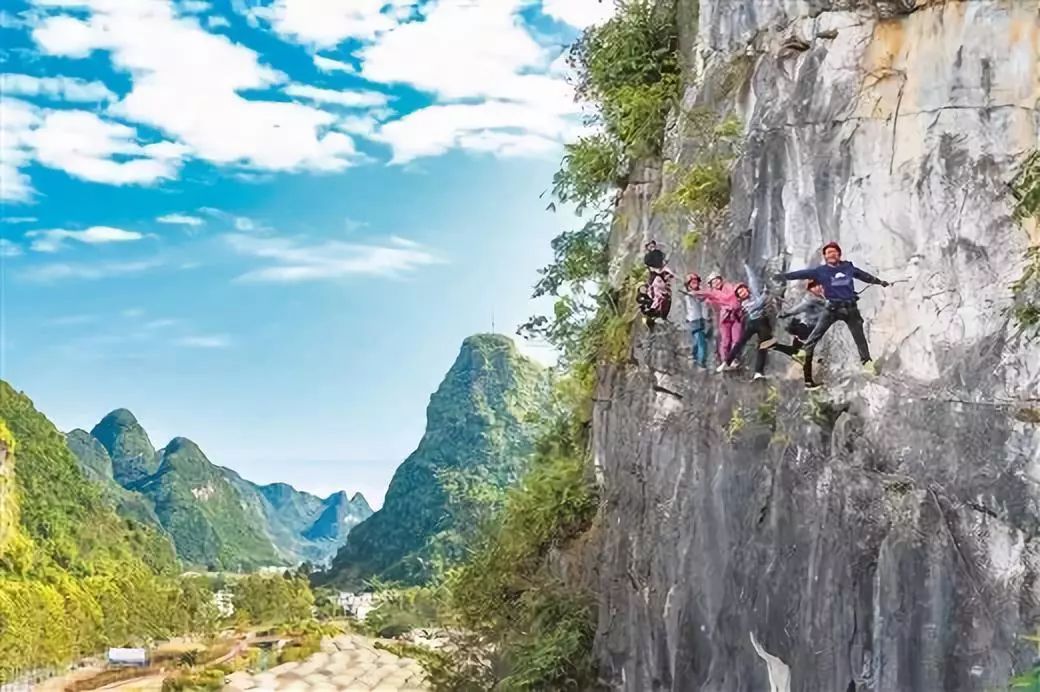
column 92, row 455
column 360, row 503
column 133, row 456
column 478, row 424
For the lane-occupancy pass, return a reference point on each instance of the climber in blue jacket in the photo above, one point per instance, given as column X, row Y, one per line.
column 837, row 279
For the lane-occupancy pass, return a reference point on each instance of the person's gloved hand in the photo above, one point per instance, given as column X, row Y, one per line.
column 778, row 277
column 783, row 316
column 885, row 284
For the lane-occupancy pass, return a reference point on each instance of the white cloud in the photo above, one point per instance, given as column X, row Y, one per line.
column 217, row 21
column 60, row 88
column 489, row 126
column 363, row 125
column 17, row 118
column 327, row 23
column 468, row 49
column 83, row 145
column 52, row 240
column 79, row 143
column 481, row 53
column 351, row 225
column 72, row 320
column 194, row 6
column 293, row 261
column 59, row 271
column 9, row 248
column 18, row 219
column 187, row 84
column 205, row 341
column 181, row 220
column 161, row 323
column 9, row 20
column 579, row 13
column 329, row 65
column 351, row 99
column 131, row 313
column 19, row 20
column 240, row 223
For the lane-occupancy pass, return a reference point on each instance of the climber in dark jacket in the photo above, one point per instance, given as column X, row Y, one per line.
column 753, row 301
column 837, row 279
column 804, row 316
column 653, row 259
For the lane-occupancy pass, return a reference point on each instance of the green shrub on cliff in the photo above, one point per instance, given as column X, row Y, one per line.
column 628, row 69
column 1026, row 290
column 1026, row 188
column 523, row 628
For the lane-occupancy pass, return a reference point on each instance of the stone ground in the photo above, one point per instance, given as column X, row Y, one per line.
column 347, row 662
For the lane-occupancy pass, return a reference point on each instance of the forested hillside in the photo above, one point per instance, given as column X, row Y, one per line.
column 74, row 577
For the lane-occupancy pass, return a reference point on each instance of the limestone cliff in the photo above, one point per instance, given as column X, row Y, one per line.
column 882, row 535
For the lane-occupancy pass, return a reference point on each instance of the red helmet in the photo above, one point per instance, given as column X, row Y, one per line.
column 740, row 286
column 830, row 245
column 690, row 278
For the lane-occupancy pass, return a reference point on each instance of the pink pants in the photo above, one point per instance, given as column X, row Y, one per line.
column 729, row 333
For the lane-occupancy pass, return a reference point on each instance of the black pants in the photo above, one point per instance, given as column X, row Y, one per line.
column 799, row 332
column 840, row 312
column 759, row 327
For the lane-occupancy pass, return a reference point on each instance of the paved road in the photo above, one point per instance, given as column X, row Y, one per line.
column 348, row 663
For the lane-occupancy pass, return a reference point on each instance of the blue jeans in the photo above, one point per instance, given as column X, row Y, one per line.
column 700, row 342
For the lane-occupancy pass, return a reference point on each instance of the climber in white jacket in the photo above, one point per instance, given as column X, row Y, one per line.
column 697, row 319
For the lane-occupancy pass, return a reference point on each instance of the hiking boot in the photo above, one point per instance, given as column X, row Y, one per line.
column 757, row 376
column 870, row 369
column 812, row 386
column 768, row 343
column 721, row 368
column 733, row 365
column 798, row 357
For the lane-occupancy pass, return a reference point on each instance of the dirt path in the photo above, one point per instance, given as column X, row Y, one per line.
column 348, row 663
column 148, row 684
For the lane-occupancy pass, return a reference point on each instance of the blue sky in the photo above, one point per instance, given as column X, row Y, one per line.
column 268, row 225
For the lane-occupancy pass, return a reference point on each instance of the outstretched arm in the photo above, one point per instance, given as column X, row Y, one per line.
column 809, row 273
column 867, row 278
column 752, row 282
column 708, row 297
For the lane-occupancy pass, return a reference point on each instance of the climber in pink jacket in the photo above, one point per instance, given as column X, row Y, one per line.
column 729, row 315
column 661, row 293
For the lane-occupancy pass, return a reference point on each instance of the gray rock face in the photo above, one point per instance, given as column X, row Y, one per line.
column 880, row 536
